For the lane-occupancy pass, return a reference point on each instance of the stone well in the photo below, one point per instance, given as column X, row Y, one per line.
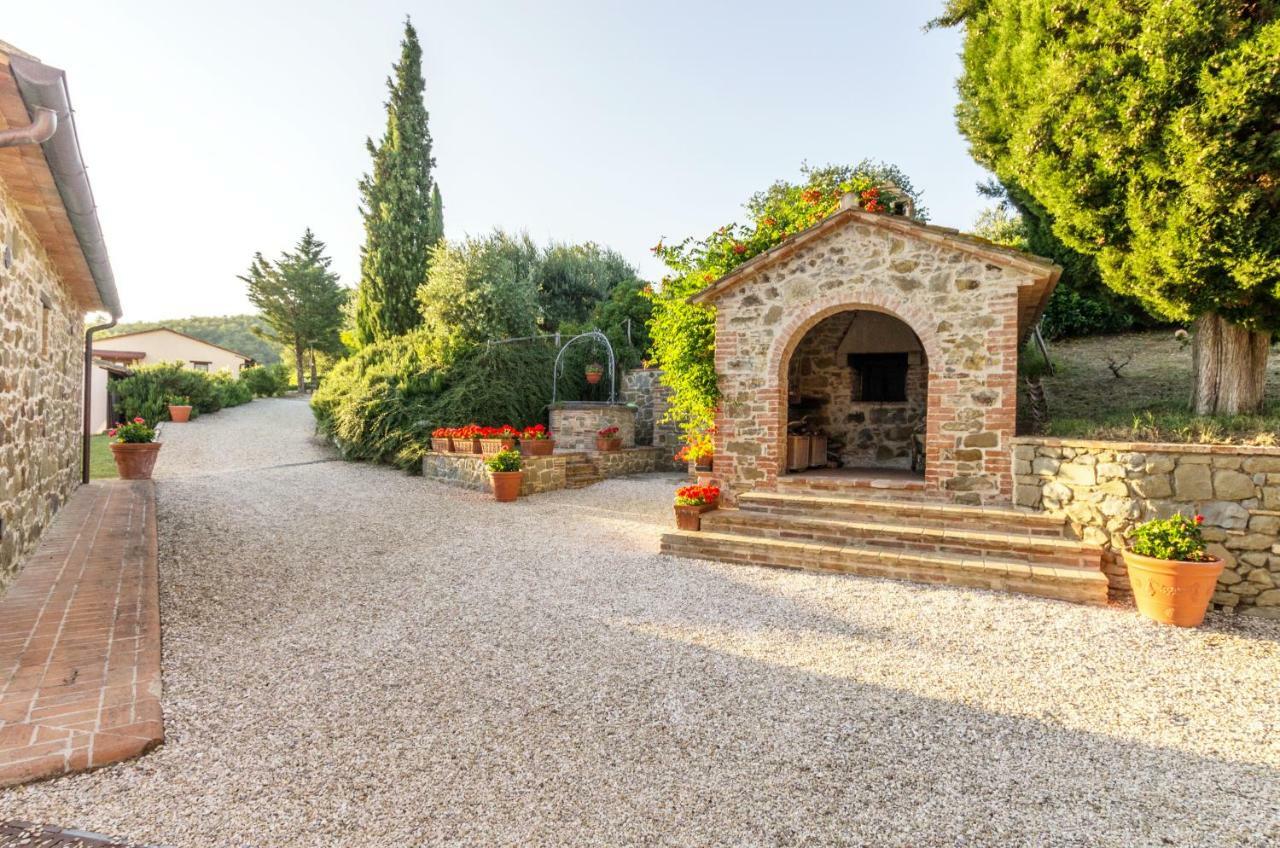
column 574, row 424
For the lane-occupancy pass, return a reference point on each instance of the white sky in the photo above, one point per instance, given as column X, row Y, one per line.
column 212, row 130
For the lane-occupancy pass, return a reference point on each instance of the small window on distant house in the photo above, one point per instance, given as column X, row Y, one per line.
column 46, row 325
column 880, row 376
column 199, row 366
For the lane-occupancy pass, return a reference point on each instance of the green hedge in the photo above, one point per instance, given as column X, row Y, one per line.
column 147, row 392
column 266, row 380
column 382, row 403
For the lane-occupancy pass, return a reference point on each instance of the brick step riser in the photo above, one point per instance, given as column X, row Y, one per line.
column 862, row 514
column 890, row 540
column 916, row 573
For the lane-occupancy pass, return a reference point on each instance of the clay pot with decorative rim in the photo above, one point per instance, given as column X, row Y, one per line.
column 179, row 414
column 506, row 485
column 594, row 374
column 1170, row 591
column 604, row 443
column 537, row 447
column 488, row 447
column 441, row 445
column 690, row 517
column 134, row 461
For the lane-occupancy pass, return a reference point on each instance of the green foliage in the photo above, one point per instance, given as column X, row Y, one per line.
column 572, row 279
column 1175, row 538
column 683, row 335
column 382, row 403
column 479, row 289
column 147, row 393
column 299, row 299
column 241, row 333
column 135, row 432
column 504, row 460
column 1070, row 313
column 266, row 381
column 1146, row 135
column 399, row 204
column 102, row 464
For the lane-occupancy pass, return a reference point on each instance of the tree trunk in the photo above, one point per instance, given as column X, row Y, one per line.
column 300, row 365
column 1230, row 367
column 315, row 381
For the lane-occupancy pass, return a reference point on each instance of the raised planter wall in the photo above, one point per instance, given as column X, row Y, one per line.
column 643, row 389
column 541, row 473
column 574, row 424
column 1105, row 489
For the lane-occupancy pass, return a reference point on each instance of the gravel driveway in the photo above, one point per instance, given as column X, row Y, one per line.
column 357, row 657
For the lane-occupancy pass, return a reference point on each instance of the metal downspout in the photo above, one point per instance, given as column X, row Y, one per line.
column 40, row 130
column 88, row 394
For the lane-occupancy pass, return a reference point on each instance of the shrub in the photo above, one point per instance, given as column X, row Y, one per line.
column 1174, row 538
column 382, row 403
column 229, row 390
column 1071, row 313
column 146, row 393
column 266, row 380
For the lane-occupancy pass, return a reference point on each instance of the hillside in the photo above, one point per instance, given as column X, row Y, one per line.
column 230, row 331
column 1148, row 401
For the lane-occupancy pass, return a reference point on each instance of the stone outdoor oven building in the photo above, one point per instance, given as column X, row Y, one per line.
column 882, row 335
column 53, row 270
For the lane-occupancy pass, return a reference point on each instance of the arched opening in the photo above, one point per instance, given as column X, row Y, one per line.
column 857, row 399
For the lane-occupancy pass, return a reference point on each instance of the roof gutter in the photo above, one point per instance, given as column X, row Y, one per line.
column 44, row 89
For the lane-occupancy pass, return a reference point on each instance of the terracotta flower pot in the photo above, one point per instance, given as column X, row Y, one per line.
column 466, row 445
column 593, row 377
column 135, row 461
column 506, row 485
column 179, row 414
column 603, row 444
column 537, row 447
column 702, row 466
column 489, row 447
column 440, row 445
column 690, row 517
column 1169, row 591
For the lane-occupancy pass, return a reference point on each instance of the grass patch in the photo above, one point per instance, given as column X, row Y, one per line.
column 1149, row 401
column 102, row 465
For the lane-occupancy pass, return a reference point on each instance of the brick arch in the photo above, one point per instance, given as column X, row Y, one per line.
column 789, row 335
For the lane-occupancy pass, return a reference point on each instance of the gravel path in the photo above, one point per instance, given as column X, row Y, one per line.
column 353, row 656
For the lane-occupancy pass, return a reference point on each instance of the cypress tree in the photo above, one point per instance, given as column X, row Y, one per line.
column 396, row 204
column 437, row 217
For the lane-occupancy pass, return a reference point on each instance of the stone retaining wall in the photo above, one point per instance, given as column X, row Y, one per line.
column 541, row 473
column 574, row 424
column 41, row 373
column 1106, row 488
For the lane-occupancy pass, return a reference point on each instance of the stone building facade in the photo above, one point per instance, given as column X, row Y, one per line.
column 1105, row 489
column 48, row 282
column 968, row 302
column 643, row 389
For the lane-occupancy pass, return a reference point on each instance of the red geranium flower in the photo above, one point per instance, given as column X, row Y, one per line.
column 739, row 248
column 139, row 420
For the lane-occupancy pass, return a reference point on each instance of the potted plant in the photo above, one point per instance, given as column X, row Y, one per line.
column 699, row 451
column 691, row 502
column 466, row 439
column 594, row 371
column 441, row 441
column 536, row 441
column 607, row 439
column 179, row 409
column 505, row 474
column 135, row 449
column 495, row 439
column 1172, row 575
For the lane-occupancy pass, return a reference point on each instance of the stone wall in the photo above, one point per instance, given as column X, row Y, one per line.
column 1106, row 488
column 41, row 369
column 541, row 473
column 643, row 389
column 962, row 307
column 863, row 433
column 574, row 424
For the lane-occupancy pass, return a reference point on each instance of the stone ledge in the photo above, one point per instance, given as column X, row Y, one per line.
column 1144, row 447
column 542, row 473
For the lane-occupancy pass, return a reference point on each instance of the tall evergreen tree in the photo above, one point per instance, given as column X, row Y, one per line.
column 1143, row 135
column 299, row 299
column 396, row 203
column 437, row 217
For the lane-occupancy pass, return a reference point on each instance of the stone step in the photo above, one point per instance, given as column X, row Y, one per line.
column 958, row 538
column 905, row 512
column 580, row 472
column 1078, row 585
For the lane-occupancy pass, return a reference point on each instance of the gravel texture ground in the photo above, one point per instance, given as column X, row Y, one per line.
column 353, row 656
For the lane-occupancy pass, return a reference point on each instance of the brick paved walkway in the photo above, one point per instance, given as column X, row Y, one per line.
column 80, row 639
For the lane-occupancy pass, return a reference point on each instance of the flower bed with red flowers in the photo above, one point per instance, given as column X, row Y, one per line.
column 607, row 432
column 485, row 439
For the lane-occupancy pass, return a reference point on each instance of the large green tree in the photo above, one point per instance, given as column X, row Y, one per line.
column 299, row 299
column 401, row 207
column 1143, row 134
